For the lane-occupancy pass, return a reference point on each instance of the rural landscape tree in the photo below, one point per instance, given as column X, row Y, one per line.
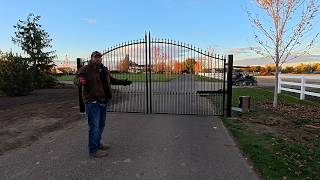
column 34, row 41
column 189, row 65
column 282, row 37
column 15, row 75
column 123, row 65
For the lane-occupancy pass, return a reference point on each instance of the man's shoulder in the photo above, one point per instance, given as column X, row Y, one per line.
column 87, row 66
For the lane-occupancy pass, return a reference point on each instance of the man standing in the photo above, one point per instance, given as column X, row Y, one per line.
column 96, row 81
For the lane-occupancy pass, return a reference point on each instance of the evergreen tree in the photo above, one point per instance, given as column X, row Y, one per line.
column 35, row 41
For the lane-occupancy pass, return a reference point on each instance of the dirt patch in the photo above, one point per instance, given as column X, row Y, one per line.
column 25, row 119
column 287, row 120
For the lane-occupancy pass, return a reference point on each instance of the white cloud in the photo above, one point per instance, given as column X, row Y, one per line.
column 90, row 20
column 263, row 61
column 244, row 50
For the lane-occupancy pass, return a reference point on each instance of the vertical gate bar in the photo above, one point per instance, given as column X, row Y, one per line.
column 183, row 81
column 116, row 59
column 113, row 63
column 201, row 80
column 198, row 82
column 159, row 59
column 165, row 75
column 131, row 87
column 128, row 76
column 189, row 83
column 133, row 50
column 213, row 83
column 138, row 83
column 224, row 85
column 127, row 108
column 193, row 84
column 170, row 61
column 209, row 108
column 156, row 74
column 229, row 88
column 146, row 69
column 176, row 74
column 169, row 73
column 141, row 85
column 150, row 80
column 219, row 85
column 179, row 79
column 121, row 88
column 213, row 74
column 160, row 73
column 81, row 103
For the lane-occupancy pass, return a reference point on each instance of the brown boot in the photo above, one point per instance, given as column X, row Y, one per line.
column 104, row 147
column 99, row 154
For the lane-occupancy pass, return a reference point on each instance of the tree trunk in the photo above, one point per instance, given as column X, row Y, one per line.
column 275, row 93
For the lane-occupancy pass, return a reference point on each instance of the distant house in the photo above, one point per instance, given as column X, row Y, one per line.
column 136, row 68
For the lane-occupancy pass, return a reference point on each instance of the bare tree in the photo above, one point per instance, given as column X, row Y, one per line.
column 285, row 38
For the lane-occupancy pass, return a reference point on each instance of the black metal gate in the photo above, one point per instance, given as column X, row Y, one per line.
column 168, row 77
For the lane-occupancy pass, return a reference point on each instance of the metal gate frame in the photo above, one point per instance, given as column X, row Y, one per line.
column 148, row 41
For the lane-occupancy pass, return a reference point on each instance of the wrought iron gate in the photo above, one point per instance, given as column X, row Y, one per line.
column 168, row 77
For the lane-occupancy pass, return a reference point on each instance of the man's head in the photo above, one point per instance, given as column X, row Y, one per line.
column 96, row 57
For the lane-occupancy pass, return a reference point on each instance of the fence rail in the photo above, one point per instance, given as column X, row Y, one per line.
column 213, row 75
column 302, row 84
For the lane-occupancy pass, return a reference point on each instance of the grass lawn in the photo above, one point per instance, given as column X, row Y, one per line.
column 206, row 79
column 134, row 77
column 277, row 140
column 65, row 78
column 141, row 77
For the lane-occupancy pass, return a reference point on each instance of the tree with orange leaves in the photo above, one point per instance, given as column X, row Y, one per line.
column 123, row 66
column 318, row 67
column 285, row 39
column 198, row 67
column 177, row 67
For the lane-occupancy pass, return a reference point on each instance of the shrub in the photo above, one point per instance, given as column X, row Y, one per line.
column 15, row 76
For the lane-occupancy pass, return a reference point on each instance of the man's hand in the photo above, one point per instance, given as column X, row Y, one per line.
column 82, row 80
column 127, row 82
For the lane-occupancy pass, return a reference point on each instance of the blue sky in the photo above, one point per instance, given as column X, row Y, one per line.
column 79, row 27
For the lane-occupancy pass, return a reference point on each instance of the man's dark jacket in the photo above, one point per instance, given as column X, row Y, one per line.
column 93, row 89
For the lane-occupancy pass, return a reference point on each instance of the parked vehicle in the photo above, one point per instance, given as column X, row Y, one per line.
column 243, row 78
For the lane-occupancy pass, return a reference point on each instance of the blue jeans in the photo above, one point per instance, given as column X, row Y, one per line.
column 96, row 115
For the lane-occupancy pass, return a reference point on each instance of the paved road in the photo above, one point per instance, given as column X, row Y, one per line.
column 143, row 147
column 178, row 96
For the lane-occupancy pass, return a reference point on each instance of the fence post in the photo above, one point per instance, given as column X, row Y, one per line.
column 229, row 84
column 81, row 103
column 279, row 83
column 302, row 96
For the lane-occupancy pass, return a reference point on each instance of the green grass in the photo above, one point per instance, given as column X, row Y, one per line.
column 141, row 77
column 65, row 78
column 134, row 77
column 273, row 156
column 206, row 79
column 263, row 95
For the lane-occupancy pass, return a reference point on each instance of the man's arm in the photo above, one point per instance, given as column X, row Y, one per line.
column 80, row 74
column 115, row 81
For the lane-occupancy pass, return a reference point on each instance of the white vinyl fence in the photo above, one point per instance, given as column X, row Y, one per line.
column 212, row 75
column 301, row 83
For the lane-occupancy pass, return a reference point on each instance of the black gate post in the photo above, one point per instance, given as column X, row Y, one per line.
column 229, row 85
column 81, row 103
